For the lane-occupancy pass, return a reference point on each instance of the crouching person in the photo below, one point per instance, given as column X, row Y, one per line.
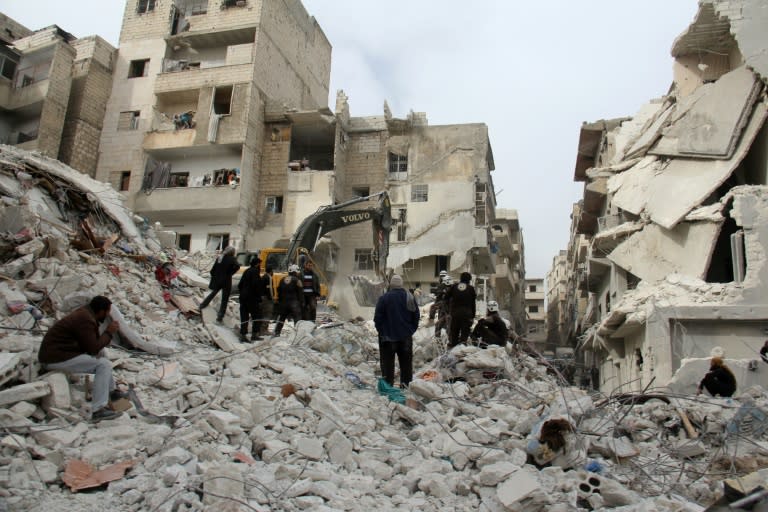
column 491, row 330
column 74, row 345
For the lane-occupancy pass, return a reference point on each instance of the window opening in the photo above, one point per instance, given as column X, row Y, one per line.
column 361, row 192
column 533, row 309
column 420, row 193
column 145, row 6
column 217, row 241
column 441, row 263
column 222, row 100
column 128, row 120
column 480, row 217
column 125, row 180
column 363, row 259
column 275, row 204
column 398, row 163
column 7, row 67
column 138, row 68
column 401, row 224
column 179, row 179
column 184, row 241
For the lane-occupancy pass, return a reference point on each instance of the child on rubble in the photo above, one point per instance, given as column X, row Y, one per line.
column 719, row 380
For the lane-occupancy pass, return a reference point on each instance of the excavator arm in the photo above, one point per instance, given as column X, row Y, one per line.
column 333, row 217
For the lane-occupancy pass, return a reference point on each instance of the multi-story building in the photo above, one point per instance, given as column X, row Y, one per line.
column 536, row 315
column 509, row 279
column 189, row 134
column 673, row 215
column 218, row 128
column 557, row 282
column 53, row 92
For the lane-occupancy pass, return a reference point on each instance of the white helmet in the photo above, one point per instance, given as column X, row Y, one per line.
column 448, row 280
column 293, row 268
column 492, row 306
column 443, row 273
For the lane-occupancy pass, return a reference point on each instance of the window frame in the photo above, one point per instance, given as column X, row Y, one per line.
column 149, row 6
column 361, row 192
column 419, row 190
column 364, row 259
column 218, row 93
column 276, row 205
column 133, row 122
column 125, row 181
column 184, row 236
column 223, row 243
column 533, row 308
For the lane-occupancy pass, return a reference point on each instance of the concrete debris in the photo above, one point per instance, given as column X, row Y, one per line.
column 236, row 439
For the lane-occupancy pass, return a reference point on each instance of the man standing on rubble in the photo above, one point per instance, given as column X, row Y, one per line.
column 268, row 309
column 311, row 286
column 290, row 298
column 461, row 298
column 75, row 345
column 396, row 318
column 438, row 291
column 221, row 280
column 251, row 294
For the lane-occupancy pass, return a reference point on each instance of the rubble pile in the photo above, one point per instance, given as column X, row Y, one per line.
column 297, row 422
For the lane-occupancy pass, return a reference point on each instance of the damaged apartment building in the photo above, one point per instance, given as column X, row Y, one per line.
column 667, row 259
column 218, row 128
column 53, row 92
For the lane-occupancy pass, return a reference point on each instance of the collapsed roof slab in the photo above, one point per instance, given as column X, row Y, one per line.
column 439, row 238
column 630, row 131
column 708, row 123
column 685, row 183
column 650, row 134
column 630, row 188
column 654, row 252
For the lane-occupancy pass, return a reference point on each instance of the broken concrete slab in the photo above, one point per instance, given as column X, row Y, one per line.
column 24, row 392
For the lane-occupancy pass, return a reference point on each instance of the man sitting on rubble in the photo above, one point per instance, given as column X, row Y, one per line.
column 719, row 380
column 75, row 344
column 491, row 330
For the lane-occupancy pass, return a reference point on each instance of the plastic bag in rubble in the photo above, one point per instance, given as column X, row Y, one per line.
column 394, row 394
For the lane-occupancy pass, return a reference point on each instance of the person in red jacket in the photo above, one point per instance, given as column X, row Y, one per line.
column 74, row 345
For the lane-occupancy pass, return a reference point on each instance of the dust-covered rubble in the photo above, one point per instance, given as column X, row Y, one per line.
column 296, row 422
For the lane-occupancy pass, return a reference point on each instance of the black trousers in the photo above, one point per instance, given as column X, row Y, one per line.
column 250, row 313
column 225, row 292
column 458, row 332
column 404, row 352
column 310, row 307
column 290, row 310
column 489, row 337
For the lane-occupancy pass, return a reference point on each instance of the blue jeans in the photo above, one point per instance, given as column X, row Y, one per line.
column 101, row 367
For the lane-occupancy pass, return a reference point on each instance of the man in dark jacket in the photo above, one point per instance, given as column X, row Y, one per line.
column 719, row 380
column 74, row 345
column 251, row 294
column 491, row 330
column 396, row 318
column 461, row 298
column 268, row 309
column 290, row 298
column 311, row 286
column 222, row 271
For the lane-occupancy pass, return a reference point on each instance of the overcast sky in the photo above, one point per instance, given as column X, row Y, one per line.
column 532, row 71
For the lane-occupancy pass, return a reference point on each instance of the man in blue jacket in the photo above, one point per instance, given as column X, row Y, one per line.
column 396, row 319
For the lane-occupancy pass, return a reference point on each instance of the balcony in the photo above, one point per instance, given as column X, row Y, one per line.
column 184, row 201
column 196, row 78
column 169, row 139
column 15, row 98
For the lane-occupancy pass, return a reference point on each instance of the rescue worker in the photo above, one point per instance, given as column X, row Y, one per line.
column 251, row 294
column 268, row 306
column 290, row 298
column 491, row 329
column 311, row 286
column 719, row 380
column 439, row 293
column 443, row 315
column 222, row 271
column 461, row 299
column 75, row 344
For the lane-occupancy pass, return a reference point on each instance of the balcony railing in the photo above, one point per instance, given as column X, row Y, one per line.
column 31, row 74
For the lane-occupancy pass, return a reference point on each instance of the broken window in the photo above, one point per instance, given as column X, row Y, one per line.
column 401, row 224
column 233, row 3
column 728, row 262
column 145, row 6
column 128, row 120
column 398, row 163
column 184, row 241
column 7, row 67
column 217, row 242
column 138, row 68
column 363, row 259
column 361, row 192
column 420, row 193
column 275, row 204
column 222, row 100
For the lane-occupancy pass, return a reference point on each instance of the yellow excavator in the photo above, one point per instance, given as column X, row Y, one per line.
column 323, row 221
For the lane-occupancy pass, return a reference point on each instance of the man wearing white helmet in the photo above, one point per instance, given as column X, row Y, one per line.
column 491, row 330
column 439, row 292
column 290, row 298
column 443, row 318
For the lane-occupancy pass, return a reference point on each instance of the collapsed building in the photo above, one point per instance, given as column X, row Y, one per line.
column 667, row 257
column 297, row 422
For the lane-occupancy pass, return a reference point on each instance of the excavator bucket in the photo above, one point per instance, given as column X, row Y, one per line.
column 367, row 292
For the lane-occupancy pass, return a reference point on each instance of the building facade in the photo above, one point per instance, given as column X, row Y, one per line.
column 536, row 316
